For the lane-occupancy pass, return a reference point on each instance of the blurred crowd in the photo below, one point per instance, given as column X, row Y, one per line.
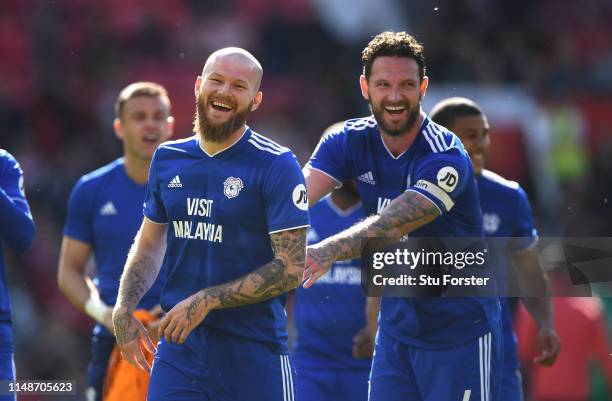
column 63, row 63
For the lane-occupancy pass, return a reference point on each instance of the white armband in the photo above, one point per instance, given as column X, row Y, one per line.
column 97, row 309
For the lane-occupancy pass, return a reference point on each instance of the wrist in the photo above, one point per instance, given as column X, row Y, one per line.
column 97, row 309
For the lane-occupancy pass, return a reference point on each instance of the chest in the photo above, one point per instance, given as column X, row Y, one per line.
column 498, row 218
column 117, row 212
column 213, row 191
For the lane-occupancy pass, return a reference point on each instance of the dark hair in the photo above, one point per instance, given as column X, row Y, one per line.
column 398, row 44
column 447, row 110
column 136, row 89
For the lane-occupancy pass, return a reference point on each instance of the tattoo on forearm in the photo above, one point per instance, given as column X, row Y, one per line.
column 282, row 274
column 136, row 281
column 409, row 207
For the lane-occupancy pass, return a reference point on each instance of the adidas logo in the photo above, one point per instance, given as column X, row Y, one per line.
column 368, row 178
column 175, row 183
column 108, row 209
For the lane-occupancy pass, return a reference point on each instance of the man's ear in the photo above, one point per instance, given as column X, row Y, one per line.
column 363, row 83
column 196, row 88
column 257, row 101
column 424, row 84
column 118, row 128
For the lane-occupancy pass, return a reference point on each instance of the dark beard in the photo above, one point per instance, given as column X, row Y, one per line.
column 413, row 115
column 218, row 133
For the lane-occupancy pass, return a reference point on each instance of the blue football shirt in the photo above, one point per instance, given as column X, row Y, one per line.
column 16, row 230
column 506, row 214
column 220, row 210
column 105, row 211
column 437, row 166
column 330, row 313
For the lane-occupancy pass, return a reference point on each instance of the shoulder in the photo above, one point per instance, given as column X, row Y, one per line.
column 440, row 140
column 100, row 175
column 501, row 184
column 268, row 153
column 7, row 160
column 184, row 145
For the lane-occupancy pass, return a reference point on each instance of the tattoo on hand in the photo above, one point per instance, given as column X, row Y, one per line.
column 123, row 325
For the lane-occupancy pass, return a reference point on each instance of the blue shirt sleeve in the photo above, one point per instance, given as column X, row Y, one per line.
column 442, row 178
column 17, row 228
column 331, row 156
column 80, row 208
column 525, row 234
column 153, row 207
column 284, row 192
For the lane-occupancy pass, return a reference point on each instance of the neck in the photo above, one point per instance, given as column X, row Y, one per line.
column 137, row 168
column 401, row 143
column 212, row 148
column 342, row 201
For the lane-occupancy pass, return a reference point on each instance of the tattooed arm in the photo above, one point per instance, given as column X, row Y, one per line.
column 141, row 269
column 404, row 214
column 282, row 274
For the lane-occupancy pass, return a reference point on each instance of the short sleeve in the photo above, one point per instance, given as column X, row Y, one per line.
column 79, row 220
column 284, row 192
column 153, row 207
column 331, row 156
column 525, row 234
column 442, row 178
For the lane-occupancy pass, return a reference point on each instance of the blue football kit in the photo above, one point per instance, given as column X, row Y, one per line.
column 327, row 317
column 17, row 231
column 220, row 211
column 105, row 212
column 427, row 349
column 507, row 215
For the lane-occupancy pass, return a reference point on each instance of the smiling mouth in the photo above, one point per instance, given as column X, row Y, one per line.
column 221, row 106
column 395, row 110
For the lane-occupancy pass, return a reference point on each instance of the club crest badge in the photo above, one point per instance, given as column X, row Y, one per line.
column 232, row 187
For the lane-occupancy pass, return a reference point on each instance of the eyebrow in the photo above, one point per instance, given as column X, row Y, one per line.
column 239, row 80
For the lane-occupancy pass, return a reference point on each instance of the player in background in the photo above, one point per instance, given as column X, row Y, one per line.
column 226, row 211
column 416, row 176
column 333, row 351
column 104, row 213
column 506, row 215
column 17, row 231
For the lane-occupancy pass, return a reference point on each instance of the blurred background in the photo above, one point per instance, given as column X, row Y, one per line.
column 541, row 70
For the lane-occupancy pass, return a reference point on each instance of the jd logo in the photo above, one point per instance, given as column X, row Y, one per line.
column 300, row 197
column 448, row 178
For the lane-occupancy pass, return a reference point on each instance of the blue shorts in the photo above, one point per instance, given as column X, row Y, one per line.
column 332, row 384
column 404, row 373
column 511, row 385
column 101, row 349
column 217, row 366
column 7, row 372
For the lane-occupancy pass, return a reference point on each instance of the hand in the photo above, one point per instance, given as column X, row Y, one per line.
column 318, row 262
column 183, row 318
column 363, row 343
column 153, row 327
column 130, row 333
column 550, row 346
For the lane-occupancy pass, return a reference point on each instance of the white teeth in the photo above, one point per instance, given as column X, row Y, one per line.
column 220, row 104
column 394, row 108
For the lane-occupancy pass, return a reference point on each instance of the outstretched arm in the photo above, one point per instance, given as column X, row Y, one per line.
column 404, row 214
column 540, row 307
column 282, row 274
column 141, row 269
